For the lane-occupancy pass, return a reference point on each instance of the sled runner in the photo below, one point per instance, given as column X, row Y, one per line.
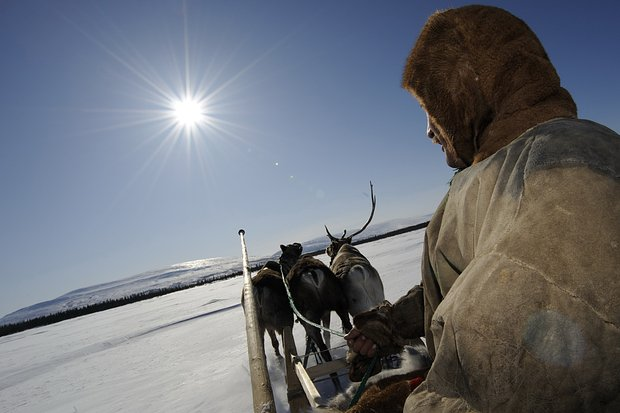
column 301, row 389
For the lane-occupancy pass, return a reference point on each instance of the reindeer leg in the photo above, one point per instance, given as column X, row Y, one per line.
column 309, row 348
column 315, row 334
column 326, row 321
column 274, row 342
column 346, row 322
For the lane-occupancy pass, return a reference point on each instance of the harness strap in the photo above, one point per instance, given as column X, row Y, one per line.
column 296, row 311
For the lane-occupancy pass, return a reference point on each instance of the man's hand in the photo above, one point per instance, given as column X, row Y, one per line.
column 360, row 344
column 374, row 332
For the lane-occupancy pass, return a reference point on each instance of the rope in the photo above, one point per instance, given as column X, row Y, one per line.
column 296, row 311
column 362, row 385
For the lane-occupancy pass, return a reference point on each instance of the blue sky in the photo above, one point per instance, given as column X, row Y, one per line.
column 304, row 107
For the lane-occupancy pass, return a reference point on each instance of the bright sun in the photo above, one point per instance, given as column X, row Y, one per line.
column 188, row 112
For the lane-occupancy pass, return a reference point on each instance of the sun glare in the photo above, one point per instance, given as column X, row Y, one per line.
column 188, row 113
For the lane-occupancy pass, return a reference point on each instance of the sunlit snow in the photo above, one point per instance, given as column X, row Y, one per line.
column 182, row 352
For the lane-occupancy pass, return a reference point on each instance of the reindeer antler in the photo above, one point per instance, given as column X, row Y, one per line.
column 331, row 237
column 373, row 199
column 372, row 213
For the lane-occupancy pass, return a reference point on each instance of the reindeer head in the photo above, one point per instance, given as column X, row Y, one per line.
column 337, row 243
column 290, row 255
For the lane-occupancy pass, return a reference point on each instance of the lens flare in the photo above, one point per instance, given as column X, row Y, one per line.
column 188, row 113
column 178, row 98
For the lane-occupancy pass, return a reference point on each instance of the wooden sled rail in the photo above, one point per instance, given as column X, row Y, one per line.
column 326, row 368
column 302, row 393
column 262, row 394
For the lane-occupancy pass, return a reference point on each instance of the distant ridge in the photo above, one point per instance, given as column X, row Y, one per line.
column 160, row 282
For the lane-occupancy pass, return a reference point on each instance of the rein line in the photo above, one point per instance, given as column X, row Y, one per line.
column 362, row 385
column 296, row 311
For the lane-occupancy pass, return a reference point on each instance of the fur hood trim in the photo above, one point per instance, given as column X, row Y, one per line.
column 483, row 78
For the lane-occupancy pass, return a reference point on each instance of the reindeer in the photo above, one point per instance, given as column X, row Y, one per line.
column 315, row 292
column 360, row 281
column 272, row 306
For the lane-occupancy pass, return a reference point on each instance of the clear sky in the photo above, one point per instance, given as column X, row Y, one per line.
column 302, row 106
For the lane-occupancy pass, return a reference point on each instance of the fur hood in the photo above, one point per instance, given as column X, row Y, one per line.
column 483, row 78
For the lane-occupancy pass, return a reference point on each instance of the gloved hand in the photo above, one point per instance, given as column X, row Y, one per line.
column 382, row 331
column 373, row 336
column 378, row 326
column 359, row 365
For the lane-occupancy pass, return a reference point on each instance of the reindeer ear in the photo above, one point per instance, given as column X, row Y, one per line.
column 282, row 247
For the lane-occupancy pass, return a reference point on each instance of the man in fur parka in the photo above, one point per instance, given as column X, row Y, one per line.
column 521, row 268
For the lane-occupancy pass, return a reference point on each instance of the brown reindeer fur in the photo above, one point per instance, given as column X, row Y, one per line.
column 386, row 397
column 332, row 299
column 314, row 301
column 267, row 275
column 360, row 281
column 483, row 78
column 273, row 309
column 306, row 263
column 346, row 257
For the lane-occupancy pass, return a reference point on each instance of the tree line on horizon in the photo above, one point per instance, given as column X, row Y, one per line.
column 12, row 328
column 108, row 304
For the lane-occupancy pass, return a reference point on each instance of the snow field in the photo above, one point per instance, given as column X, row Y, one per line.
column 182, row 352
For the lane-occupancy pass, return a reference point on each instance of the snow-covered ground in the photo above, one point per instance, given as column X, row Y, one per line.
column 178, row 275
column 182, row 352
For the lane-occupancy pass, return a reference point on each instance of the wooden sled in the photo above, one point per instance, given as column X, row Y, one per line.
column 302, row 393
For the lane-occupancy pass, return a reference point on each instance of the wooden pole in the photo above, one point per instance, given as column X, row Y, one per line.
column 295, row 393
column 262, row 393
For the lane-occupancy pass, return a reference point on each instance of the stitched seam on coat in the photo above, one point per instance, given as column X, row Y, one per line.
column 551, row 282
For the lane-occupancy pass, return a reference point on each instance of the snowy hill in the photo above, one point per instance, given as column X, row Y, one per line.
column 177, row 275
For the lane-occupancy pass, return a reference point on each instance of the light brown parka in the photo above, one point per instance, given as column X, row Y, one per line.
column 521, row 268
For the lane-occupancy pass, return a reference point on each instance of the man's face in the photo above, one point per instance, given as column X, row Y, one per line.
column 433, row 132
